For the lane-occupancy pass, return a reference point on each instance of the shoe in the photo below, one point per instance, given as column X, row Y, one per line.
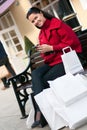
column 35, row 124
column 40, row 121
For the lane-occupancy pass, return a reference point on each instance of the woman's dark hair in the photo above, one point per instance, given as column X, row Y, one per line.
column 37, row 10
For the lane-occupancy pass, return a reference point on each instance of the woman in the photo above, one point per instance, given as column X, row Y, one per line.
column 53, row 37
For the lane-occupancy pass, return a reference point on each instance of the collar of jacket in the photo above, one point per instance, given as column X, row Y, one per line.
column 49, row 25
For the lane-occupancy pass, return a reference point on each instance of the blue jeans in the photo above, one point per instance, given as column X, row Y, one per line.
column 45, row 73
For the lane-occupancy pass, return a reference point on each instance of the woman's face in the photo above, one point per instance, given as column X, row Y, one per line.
column 37, row 19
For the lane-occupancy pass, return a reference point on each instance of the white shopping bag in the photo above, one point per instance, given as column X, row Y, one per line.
column 73, row 116
column 71, row 61
column 69, row 88
column 75, row 112
column 58, row 114
column 46, row 101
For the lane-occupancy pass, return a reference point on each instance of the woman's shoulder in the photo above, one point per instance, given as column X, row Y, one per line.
column 55, row 22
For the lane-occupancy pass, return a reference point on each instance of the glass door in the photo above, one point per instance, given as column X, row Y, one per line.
column 10, row 35
column 12, row 41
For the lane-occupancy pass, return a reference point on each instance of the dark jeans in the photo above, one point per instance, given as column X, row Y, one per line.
column 5, row 61
column 45, row 73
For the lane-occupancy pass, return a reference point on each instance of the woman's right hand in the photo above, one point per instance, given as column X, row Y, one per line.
column 44, row 48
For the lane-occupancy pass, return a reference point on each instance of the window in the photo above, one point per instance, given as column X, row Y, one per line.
column 10, row 35
column 50, row 6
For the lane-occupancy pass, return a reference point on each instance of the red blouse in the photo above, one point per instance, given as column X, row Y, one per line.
column 59, row 35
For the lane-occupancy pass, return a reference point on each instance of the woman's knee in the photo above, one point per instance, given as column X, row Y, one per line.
column 36, row 73
column 33, row 72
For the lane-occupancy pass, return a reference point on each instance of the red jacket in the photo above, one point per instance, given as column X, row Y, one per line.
column 56, row 33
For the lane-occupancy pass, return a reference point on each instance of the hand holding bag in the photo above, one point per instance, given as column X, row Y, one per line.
column 4, row 72
column 71, row 61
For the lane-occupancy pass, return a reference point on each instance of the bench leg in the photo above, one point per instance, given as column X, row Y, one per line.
column 21, row 99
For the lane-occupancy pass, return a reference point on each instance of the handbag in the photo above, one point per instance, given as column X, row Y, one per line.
column 71, row 61
column 4, row 72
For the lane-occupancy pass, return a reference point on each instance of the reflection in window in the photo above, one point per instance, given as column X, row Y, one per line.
column 11, row 23
column 46, row 5
column 12, row 42
column 16, row 41
column 5, row 23
column 9, row 43
column 19, row 47
column 12, row 33
column 38, row 5
column 32, row 1
column 5, row 36
column 0, row 27
column 56, row 9
column 45, row 2
column 52, row 0
column 49, row 10
column 10, row 36
column 11, row 48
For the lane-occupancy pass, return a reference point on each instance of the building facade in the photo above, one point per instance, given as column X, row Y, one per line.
column 14, row 25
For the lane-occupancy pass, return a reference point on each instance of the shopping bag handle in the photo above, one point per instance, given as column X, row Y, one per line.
column 68, row 47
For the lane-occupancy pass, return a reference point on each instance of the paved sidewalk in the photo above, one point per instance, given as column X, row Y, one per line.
column 10, row 113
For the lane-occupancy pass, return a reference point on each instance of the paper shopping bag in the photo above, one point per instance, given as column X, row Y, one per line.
column 76, row 114
column 71, row 95
column 47, row 107
column 69, row 88
column 71, row 61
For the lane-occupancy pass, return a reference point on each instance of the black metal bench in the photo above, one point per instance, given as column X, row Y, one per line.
column 20, row 84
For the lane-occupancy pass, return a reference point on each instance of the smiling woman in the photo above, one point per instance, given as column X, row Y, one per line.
column 53, row 37
column 37, row 19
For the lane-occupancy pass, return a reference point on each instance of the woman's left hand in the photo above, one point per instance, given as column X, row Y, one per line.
column 44, row 48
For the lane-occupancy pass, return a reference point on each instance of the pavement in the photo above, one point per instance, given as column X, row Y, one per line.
column 10, row 114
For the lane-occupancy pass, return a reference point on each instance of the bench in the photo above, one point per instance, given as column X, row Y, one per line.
column 22, row 82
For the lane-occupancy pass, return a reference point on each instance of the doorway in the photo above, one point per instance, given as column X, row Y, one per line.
column 12, row 41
